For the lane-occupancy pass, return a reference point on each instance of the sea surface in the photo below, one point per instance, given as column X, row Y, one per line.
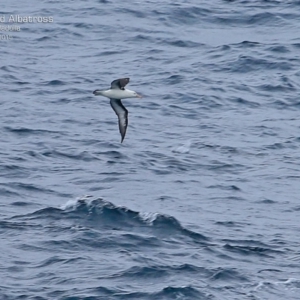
column 200, row 201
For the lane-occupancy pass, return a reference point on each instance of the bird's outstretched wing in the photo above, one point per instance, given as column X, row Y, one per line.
column 119, row 83
column 122, row 114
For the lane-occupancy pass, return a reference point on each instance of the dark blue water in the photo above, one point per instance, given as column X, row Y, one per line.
column 202, row 199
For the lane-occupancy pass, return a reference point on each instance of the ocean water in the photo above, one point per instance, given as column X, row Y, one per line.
column 200, row 201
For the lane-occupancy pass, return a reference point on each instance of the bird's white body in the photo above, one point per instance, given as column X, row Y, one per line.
column 117, row 94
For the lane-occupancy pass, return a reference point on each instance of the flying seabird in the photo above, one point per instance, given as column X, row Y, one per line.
column 117, row 92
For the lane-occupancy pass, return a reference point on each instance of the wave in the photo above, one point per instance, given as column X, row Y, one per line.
column 98, row 214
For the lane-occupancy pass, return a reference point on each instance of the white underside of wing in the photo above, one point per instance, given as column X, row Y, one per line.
column 122, row 114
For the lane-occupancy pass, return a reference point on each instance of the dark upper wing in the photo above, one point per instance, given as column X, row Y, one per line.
column 122, row 114
column 119, row 83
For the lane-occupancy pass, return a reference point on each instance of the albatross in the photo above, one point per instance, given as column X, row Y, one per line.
column 117, row 92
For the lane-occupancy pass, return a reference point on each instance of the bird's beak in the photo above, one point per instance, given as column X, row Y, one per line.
column 139, row 96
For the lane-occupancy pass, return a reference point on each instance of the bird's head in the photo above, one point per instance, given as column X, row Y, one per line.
column 133, row 94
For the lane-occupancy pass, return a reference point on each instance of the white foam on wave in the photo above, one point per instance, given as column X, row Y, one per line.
column 183, row 148
column 73, row 203
column 148, row 217
column 290, row 283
